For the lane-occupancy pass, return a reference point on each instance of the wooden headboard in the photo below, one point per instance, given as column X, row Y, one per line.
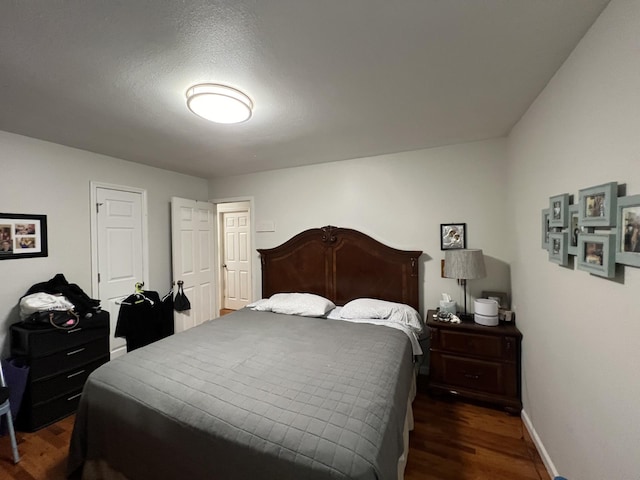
column 341, row 264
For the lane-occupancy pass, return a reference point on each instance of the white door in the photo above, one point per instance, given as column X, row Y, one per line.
column 236, row 250
column 192, row 234
column 121, row 252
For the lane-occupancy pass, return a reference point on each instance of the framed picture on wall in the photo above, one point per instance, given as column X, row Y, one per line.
column 453, row 236
column 596, row 254
column 23, row 236
column 544, row 217
column 628, row 231
column 597, row 205
column 558, row 248
column 559, row 210
column 574, row 230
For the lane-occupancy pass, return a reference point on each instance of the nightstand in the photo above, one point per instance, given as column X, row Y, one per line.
column 476, row 362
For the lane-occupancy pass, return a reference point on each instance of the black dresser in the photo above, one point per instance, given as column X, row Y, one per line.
column 59, row 363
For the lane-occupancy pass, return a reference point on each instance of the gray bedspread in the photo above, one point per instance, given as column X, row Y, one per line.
column 251, row 395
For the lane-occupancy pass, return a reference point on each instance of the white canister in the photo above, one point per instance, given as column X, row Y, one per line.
column 488, row 321
column 486, row 307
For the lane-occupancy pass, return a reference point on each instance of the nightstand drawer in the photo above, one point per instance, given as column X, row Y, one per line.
column 473, row 374
column 470, row 344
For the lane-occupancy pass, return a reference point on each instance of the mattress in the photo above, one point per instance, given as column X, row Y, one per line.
column 250, row 395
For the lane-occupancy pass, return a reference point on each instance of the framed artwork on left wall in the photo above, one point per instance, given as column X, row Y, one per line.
column 23, row 236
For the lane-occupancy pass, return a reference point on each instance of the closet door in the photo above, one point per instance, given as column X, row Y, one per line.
column 120, row 252
column 192, row 234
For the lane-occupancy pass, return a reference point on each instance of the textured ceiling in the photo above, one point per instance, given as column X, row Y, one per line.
column 330, row 79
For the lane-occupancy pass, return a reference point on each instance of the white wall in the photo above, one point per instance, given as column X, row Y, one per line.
column 38, row 177
column 399, row 199
column 581, row 333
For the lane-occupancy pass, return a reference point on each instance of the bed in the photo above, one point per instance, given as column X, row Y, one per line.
column 264, row 395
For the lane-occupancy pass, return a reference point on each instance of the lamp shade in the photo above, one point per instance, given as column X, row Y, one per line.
column 464, row 264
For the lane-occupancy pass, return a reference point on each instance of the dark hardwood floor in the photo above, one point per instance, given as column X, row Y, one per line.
column 451, row 440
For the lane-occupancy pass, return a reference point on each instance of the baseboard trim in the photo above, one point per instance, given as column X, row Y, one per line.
column 544, row 455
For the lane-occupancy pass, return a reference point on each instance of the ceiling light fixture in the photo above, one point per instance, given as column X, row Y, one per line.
column 219, row 103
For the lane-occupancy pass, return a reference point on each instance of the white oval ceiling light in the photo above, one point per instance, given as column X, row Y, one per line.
column 219, row 103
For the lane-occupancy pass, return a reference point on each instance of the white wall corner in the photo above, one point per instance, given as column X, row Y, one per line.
column 546, row 459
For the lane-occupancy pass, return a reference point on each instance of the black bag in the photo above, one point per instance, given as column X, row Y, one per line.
column 181, row 302
column 57, row 319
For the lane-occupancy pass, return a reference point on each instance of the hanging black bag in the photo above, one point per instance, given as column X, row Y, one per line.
column 181, row 302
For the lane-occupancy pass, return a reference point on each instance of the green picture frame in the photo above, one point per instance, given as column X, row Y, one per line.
column 559, row 211
column 597, row 205
column 573, row 229
column 545, row 229
column 628, row 231
column 558, row 248
column 596, row 254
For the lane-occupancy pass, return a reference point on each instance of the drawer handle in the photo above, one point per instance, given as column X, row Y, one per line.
column 74, row 374
column 74, row 396
column 76, row 351
column 471, row 375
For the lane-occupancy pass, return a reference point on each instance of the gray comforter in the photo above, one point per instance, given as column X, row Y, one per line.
column 252, row 395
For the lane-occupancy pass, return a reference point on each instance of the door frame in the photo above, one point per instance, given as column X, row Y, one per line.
column 255, row 259
column 94, row 231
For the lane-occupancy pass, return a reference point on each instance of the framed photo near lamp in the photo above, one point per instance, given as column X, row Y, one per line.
column 453, row 236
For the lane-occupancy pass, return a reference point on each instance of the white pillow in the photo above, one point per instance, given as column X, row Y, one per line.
column 261, row 305
column 303, row 304
column 366, row 308
column 363, row 308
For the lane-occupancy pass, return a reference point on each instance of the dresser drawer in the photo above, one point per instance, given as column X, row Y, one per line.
column 69, row 381
column 69, row 358
column 33, row 417
column 486, row 346
column 37, row 340
column 40, row 343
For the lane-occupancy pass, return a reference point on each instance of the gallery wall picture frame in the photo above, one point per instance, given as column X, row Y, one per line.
column 559, row 248
column 628, row 231
column 574, row 230
column 453, row 236
column 545, row 229
column 596, row 254
column 559, row 210
column 597, row 205
column 23, row 236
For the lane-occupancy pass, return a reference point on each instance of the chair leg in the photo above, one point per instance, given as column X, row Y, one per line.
column 12, row 434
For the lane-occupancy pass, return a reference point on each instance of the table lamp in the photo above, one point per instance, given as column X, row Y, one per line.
column 464, row 264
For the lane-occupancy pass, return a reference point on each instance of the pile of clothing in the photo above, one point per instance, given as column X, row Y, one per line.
column 58, row 303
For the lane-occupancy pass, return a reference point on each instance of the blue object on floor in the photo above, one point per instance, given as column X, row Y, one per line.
column 559, row 478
